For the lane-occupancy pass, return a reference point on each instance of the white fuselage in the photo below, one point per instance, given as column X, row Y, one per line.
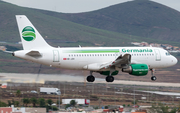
column 79, row 58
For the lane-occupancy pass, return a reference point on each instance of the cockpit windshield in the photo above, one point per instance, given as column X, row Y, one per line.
column 167, row 54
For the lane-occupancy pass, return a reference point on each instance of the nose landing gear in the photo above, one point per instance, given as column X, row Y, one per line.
column 153, row 78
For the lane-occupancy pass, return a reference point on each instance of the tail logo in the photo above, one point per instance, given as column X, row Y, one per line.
column 28, row 33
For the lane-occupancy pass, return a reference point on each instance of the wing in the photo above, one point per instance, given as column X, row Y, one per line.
column 121, row 61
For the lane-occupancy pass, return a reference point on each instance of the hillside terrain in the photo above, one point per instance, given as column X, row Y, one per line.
column 58, row 32
column 142, row 18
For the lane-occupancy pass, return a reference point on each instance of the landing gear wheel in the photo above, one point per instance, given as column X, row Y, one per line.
column 109, row 79
column 153, row 78
column 90, row 78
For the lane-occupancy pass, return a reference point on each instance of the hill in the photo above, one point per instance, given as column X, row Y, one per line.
column 58, row 32
column 61, row 32
column 142, row 18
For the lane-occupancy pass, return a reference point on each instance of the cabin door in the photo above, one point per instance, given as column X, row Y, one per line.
column 55, row 56
column 158, row 55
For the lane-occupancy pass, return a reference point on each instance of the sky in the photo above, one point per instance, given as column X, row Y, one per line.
column 76, row 6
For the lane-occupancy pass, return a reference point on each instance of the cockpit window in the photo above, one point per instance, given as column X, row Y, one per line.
column 167, row 54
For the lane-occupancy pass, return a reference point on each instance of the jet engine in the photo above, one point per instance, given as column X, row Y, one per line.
column 136, row 69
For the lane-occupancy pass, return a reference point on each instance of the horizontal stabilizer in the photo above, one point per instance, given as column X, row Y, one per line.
column 8, row 51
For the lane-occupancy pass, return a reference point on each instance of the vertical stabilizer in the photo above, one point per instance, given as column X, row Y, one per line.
column 30, row 37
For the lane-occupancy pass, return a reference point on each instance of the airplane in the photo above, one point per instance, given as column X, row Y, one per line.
column 107, row 61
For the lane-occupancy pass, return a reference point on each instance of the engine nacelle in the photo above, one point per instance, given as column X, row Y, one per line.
column 136, row 69
column 108, row 73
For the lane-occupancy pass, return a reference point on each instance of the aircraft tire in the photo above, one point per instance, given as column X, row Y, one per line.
column 153, row 78
column 90, row 78
column 109, row 79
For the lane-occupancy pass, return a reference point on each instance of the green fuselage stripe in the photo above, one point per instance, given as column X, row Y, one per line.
column 92, row 51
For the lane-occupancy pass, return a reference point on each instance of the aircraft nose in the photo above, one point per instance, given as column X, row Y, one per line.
column 174, row 60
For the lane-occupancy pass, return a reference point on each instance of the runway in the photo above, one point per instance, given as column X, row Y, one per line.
column 32, row 78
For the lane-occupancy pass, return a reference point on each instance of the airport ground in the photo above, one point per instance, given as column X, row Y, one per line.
column 100, row 94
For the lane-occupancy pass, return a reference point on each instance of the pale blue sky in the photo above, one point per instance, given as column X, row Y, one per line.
column 75, row 6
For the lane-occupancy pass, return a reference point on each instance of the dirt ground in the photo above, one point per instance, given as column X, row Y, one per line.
column 99, row 94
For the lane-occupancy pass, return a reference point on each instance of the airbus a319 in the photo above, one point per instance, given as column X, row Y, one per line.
column 107, row 61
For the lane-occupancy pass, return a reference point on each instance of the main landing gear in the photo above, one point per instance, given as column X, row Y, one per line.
column 153, row 78
column 91, row 78
column 109, row 78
